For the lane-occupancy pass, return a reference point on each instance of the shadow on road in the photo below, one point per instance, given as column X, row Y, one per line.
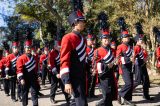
column 155, row 97
column 94, row 99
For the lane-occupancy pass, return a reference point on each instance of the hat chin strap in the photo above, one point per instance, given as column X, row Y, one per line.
column 76, row 30
column 27, row 46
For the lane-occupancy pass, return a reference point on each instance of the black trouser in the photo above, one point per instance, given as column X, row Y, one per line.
column 0, row 84
column 6, row 86
column 91, row 85
column 44, row 74
column 89, row 79
column 13, row 87
column 49, row 74
column 19, row 90
column 141, row 77
column 25, row 90
column 127, row 75
column 116, row 71
column 109, row 89
column 54, row 83
column 79, row 89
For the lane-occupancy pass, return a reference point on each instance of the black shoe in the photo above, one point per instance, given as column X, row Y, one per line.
column 93, row 96
column 100, row 103
column 68, row 97
column 14, row 100
column 119, row 99
column 148, row 98
column 19, row 99
column 67, row 103
column 40, row 94
column 53, row 101
column 73, row 103
column 126, row 102
column 7, row 95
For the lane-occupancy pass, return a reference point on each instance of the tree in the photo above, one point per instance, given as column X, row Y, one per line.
column 52, row 15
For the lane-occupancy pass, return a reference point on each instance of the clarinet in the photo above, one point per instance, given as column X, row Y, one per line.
column 94, row 65
column 133, row 61
column 9, row 77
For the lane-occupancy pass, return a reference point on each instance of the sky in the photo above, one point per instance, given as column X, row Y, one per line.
column 6, row 8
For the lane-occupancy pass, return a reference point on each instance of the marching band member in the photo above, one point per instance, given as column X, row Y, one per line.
column 141, row 74
column 124, row 51
column 11, row 65
column 4, row 61
column 73, row 55
column 104, row 57
column 54, row 65
column 27, row 73
column 91, row 79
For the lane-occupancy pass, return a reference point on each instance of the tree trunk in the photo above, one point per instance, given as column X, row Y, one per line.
column 147, row 8
column 46, row 4
column 41, row 34
column 152, row 38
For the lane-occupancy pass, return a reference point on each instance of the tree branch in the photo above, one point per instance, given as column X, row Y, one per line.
column 46, row 4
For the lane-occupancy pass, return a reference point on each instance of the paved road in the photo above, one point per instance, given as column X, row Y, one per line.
column 44, row 101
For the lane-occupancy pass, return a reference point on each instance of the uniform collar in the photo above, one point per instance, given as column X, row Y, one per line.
column 16, row 54
column 107, row 47
column 29, row 55
column 139, row 46
column 89, row 47
column 125, row 44
column 77, row 33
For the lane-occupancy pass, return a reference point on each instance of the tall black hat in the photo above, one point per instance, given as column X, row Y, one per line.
column 157, row 32
column 28, row 41
column 15, row 42
column 77, row 14
column 123, row 27
column 140, row 33
column 60, row 34
column 104, row 26
column 90, row 35
column 6, row 46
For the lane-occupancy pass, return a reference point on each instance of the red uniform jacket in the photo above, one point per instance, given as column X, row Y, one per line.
column 26, row 67
column 158, row 57
column 36, row 57
column 138, row 52
column 54, row 61
column 123, row 52
column 43, row 58
column 138, row 55
column 90, row 53
column 11, row 62
column 104, row 56
column 145, row 53
column 2, row 66
column 73, row 55
column 3, row 63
